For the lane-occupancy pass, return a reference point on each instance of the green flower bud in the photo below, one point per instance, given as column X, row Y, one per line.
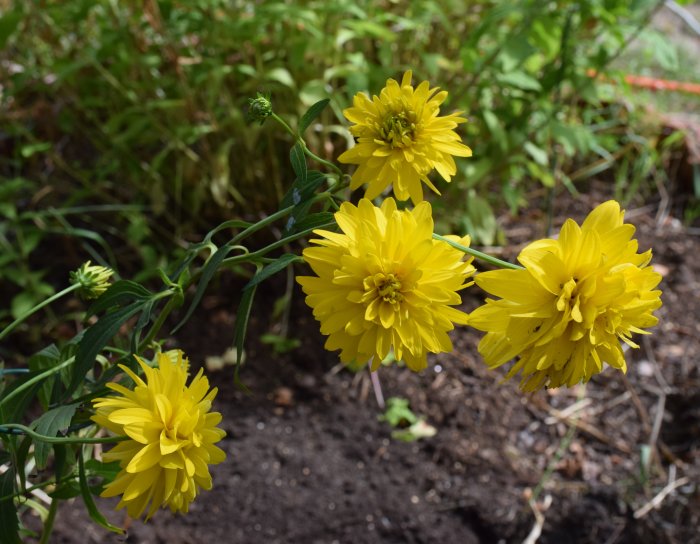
column 260, row 108
column 93, row 280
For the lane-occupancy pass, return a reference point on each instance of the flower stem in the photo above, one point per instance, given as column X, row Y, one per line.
column 155, row 328
column 305, row 149
column 479, row 255
column 256, row 255
column 62, row 439
column 261, row 224
column 36, row 379
column 48, row 524
column 7, row 330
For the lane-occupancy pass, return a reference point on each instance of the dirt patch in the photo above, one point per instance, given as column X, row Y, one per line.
column 310, row 462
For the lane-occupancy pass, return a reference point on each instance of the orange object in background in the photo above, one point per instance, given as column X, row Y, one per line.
column 653, row 83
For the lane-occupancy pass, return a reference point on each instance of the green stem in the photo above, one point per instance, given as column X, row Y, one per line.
column 63, row 439
column 36, row 379
column 261, row 224
column 298, row 139
column 36, row 308
column 274, row 217
column 155, row 328
column 40, row 485
column 479, row 255
column 318, row 159
column 48, row 524
column 284, row 241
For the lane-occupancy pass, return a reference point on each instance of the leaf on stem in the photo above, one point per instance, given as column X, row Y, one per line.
column 271, row 269
column 311, row 114
column 49, row 424
column 208, row 272
column 96, row 337
column 298, row 160
column 239, row 333
column 9, row 524
column 95, row 514
column 118, row 294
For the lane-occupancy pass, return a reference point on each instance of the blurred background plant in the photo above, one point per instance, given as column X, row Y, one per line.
column 124, row 123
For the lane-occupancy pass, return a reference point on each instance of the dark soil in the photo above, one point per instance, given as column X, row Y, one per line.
column 309, row 461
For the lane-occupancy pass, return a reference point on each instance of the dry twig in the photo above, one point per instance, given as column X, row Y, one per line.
column 659, row 497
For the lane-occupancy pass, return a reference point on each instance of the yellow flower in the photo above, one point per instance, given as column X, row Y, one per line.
column 171, row 436
column 578, row 296
column 384, row 283
column 401, row 139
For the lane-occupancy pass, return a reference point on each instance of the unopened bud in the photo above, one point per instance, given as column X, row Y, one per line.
column 93, row 280
column 260, row 108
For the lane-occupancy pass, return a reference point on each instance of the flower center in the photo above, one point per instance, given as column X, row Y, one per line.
column 398, row 129
column 387, row 286
column 570, row 301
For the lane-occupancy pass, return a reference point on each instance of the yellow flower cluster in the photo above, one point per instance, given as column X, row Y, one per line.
column 171, row 435
column 384, row 283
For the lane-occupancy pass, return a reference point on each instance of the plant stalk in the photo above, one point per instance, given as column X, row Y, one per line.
column 48, row 524
column 7, row 330
column 479, row 255
column 36, row 379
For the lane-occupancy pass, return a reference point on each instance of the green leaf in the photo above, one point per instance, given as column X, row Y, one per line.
column 95, row 514
column 281, row 75
column 107, row 471
column 271, row 269
column 143, row 320
column 296, row 156
column 20, row 460
column 96, row 337
column 538, row 154
column 67, row 489
column 48, row 357
column 49, row 424
column 320, row 219
column 242, row 318
column 398, row 413
column 22, row 303
column 63, row 461
column 371, row 29
column 9, row 524
column 14, row 411
column 480, row 221
column 280, row 344
column 8, row 25
column 118, row 294
column 208, row 272
column 312, row 91
column 303, row 189
column 311, row 114
column 30, row 149
column 521, row 80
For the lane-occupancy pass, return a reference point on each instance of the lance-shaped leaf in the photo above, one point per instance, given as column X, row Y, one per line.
column 311, row 114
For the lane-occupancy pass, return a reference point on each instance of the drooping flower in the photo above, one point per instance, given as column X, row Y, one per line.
column 171, row 436
column 564, row 315
column 401, row 139
column 384, row 283
column 93, row 280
